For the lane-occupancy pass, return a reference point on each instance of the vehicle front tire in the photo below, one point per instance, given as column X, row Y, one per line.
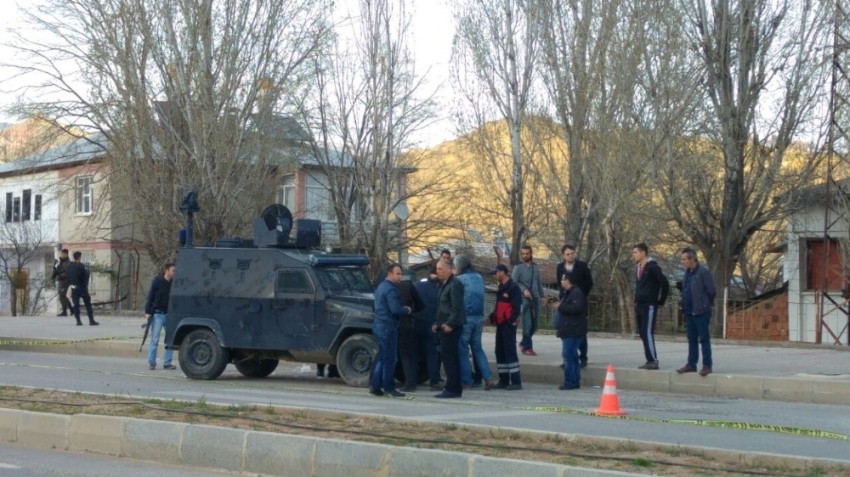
column 201, row 356
column 256, row 368
column 354, row 359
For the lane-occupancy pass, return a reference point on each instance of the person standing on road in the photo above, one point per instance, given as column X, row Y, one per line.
column 651, row 289
column 156, row 309
column 388, row 312
column 60, row 274
column 449, row 325
column 526, row 274
column 583, row 279
column 505, row 316
column 423, row 321
column 78, row 277
column 572, row 327
column 410, row 298
column 473, row 304
column 697, row 300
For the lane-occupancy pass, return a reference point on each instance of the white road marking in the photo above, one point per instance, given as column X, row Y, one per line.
column 8, row 466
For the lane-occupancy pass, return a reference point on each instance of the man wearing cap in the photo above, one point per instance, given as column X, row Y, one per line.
column 505, row 315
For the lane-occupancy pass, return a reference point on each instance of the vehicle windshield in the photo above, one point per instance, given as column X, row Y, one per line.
column 344, row 279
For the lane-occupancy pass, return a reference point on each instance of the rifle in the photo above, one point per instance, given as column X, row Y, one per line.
column 147, row 327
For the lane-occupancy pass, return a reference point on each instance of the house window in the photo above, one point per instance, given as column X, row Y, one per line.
column 286, row 196
column 84, row 195
column 27, row 204
column 36, row 209
column 8, row 207
column 16, row 209
column 824, row 266
column 318, row 204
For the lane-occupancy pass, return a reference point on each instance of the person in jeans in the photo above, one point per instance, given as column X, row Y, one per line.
column 388, row 312
column 698, row 294
column 572, row 327
column 156, row 308
column 526, row 274
column 583, row 279
column 473, row 304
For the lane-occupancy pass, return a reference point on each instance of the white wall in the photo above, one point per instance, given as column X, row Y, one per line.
column 47, row 186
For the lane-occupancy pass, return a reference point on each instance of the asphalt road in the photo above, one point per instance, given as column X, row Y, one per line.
column 663, row 418
column 20, row 461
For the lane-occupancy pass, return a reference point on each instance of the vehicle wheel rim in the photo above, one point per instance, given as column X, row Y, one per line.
column 361, row 361
column 201, row 354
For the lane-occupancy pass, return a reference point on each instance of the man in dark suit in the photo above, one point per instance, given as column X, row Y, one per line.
column 78, row 276
column 448, row 326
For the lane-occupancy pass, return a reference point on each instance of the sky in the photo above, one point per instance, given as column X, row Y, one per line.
column 432, row 29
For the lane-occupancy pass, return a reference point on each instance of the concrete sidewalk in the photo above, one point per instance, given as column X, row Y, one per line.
column 779, row 371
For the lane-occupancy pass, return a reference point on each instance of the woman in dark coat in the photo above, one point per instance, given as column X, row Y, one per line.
column 571, row 329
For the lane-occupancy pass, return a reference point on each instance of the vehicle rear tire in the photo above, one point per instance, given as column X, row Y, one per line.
column 256, row 368
column 354, row 359
column 201, row 356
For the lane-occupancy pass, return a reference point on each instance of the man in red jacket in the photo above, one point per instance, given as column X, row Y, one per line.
column 508, row 308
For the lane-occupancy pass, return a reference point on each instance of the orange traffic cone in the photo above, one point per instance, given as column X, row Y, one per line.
column 609, row 405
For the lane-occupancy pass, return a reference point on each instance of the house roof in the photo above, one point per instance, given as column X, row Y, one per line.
column 817, row 193
column 82, row 151
column 339, row 159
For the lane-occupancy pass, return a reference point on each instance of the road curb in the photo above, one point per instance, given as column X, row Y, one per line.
column 238, row 450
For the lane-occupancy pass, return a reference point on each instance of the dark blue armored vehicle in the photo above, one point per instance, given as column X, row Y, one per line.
column 255, row 303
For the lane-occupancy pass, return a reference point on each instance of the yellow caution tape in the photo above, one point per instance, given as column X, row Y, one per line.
column 746, row 426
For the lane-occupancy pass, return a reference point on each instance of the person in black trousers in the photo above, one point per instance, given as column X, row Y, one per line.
column 448, row 326
column 505, row 316
column 423, row 320
column 407, row 342
column 78, row 277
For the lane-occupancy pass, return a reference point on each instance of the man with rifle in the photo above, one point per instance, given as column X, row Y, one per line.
column 156, row 308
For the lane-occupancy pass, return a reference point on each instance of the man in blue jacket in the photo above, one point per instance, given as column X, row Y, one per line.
column 697, row 300
column 388, row 312
column 473, row 304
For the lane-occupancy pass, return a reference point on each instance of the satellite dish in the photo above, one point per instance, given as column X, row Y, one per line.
column 401, row 211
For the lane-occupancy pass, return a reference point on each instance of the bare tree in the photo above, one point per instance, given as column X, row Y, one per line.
column 365, row 107
column 495, row 50
column 763, row 73
column 21, row 244
column 184, row 92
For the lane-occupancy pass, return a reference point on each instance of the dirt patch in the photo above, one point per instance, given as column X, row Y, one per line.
column 553, row 448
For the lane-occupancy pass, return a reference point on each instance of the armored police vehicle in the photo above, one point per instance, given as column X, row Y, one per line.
column 253, row 303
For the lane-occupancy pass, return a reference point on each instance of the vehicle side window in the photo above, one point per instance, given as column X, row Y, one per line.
column 293, row 281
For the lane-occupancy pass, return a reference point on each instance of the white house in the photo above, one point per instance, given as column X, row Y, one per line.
column 816, row 261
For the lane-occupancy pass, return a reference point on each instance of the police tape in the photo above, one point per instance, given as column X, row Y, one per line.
column 37, row 343
column 740, row 425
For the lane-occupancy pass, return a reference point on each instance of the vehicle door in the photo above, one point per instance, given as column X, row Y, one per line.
column 295, row 306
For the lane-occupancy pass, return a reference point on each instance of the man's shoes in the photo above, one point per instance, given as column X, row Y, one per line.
column 63, row 313
column 436, row 387
column 686, row 369
column 529, row 352
column 488, row 385
column 151, row 366
column 93, row 323
column 395, row 393
column 501, row 385
column 79, row 323
column 409, row 389
column 375, row 392
column 649, row 365
column 514, row 387
column 567, row 387
column 705, row 371
column 476, row 384
column 320, row 373
column 447, row 395
column 169, row 367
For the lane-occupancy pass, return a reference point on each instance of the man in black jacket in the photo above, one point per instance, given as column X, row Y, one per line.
column 448, row 325
column 583, row 279
column 651, row 289
column 426, row 341
column 571, row 328
column 156, row 308
column 78, row 277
